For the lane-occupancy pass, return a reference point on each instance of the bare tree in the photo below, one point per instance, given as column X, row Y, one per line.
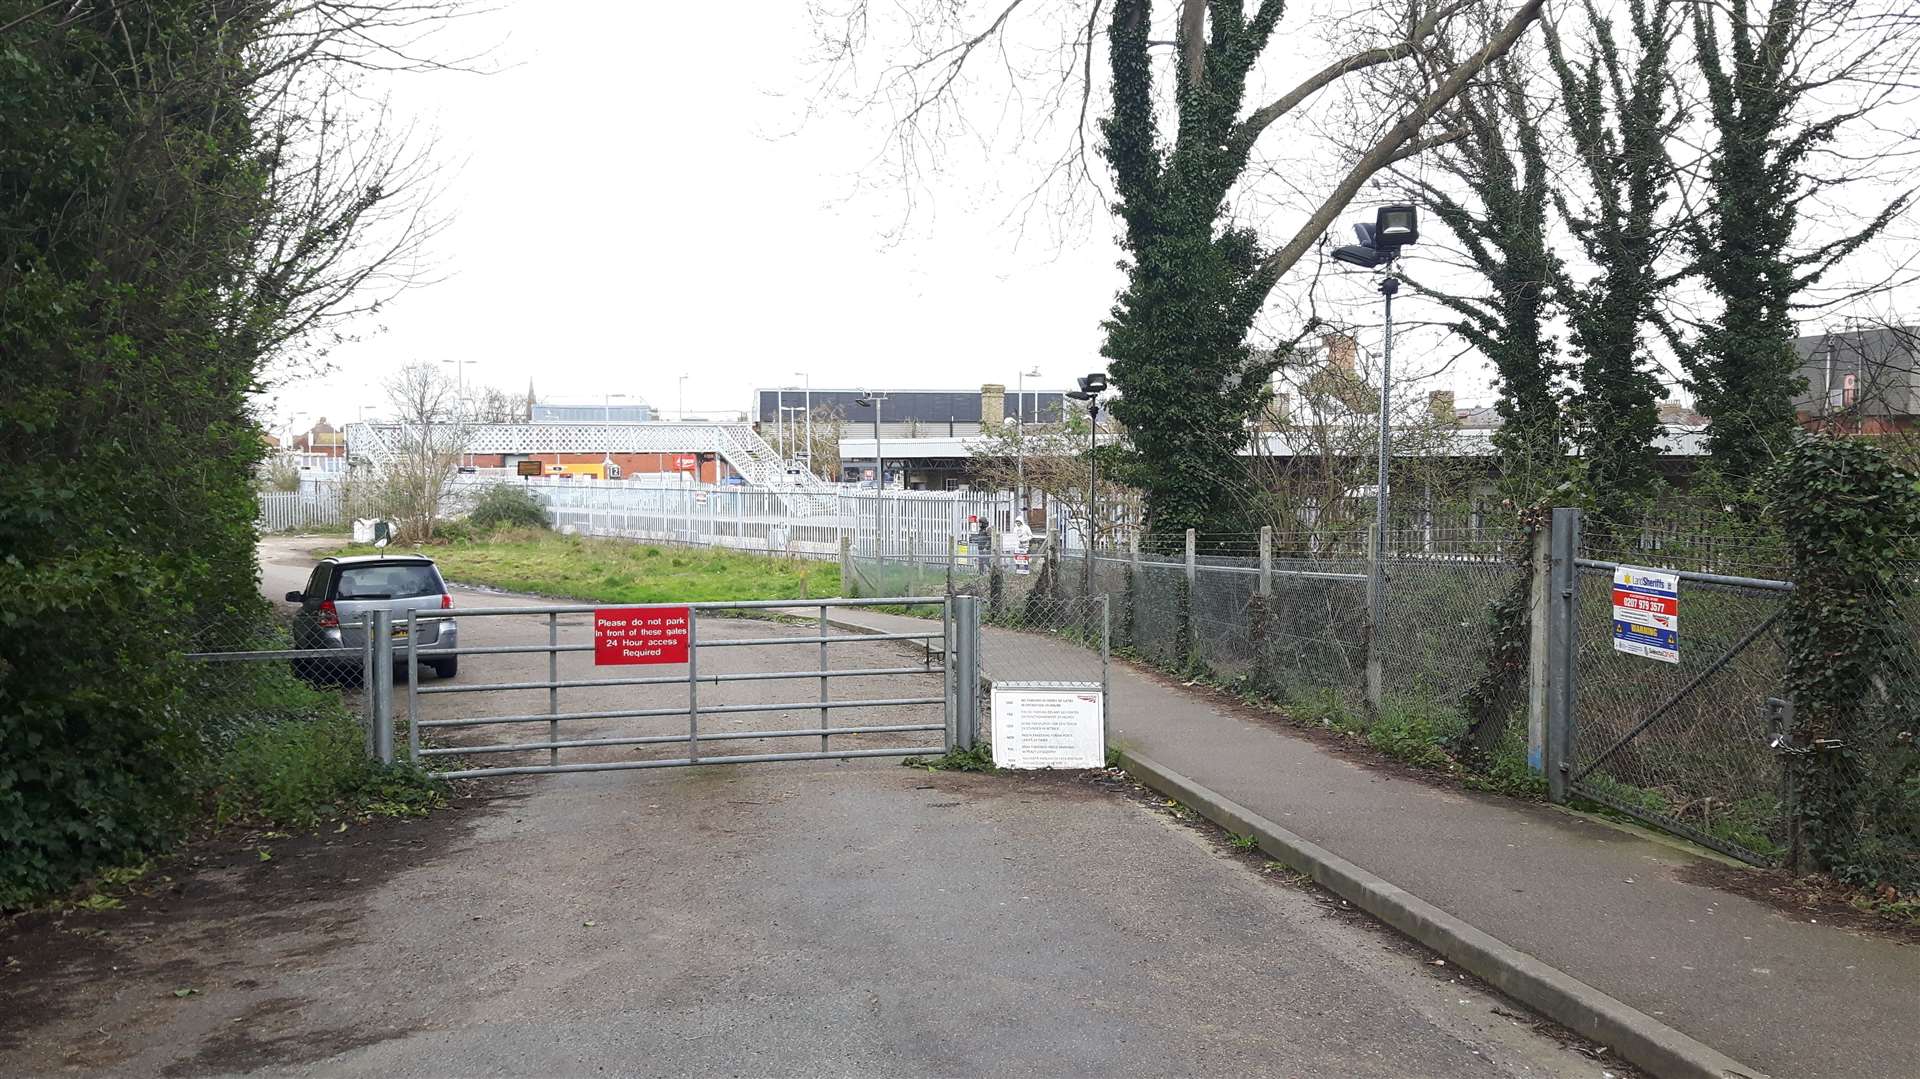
column 1315, row 450
column 492, row 405
column 823, row 440
column 415, row 485
column 1054, row 460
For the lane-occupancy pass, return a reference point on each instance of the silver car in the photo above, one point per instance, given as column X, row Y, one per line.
column 344, row 590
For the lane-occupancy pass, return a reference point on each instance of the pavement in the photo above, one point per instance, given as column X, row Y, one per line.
column 850, row 917
column 1616, row 910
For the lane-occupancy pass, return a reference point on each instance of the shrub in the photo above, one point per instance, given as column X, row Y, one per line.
column 96, row 749
column 282, row 476
column 282, row 752
column 507, row 506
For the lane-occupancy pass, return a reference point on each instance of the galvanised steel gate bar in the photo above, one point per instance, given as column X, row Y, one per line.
column 697, row 740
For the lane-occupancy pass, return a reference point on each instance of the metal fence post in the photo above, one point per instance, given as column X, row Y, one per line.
column 1539, row 613
column 948, row 664
column 823, row 678
column 967, row 659
column 996, row 579
column 1563, row 647
column 413, row 686
column 693, row 684
column 369, row 706
column 1376, row 617
column 553, row 684
column 382, row 688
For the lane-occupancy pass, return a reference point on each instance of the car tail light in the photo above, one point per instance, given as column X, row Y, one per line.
column 446, row 602
column 329, row 615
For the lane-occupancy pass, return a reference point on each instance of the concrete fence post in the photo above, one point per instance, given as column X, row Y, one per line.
column 1563, row 647
column 370, row 707
column 1129, row 616
column 1266, row 560
column 1539, row 613
column 1189, row 638
column 847, row 585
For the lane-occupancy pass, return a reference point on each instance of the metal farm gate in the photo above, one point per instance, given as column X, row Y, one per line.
column 540, row 690
column 1691, row 747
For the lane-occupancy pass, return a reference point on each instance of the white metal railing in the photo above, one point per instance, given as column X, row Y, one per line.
column 316, row 506
column 736, row 443
column 917, row 525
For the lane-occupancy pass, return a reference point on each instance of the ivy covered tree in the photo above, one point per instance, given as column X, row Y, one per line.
column 1769, row 69
column 1177, row 338
column 1850, row 516
column 1179, row 136
column 1492, row 194
column 1620, row 118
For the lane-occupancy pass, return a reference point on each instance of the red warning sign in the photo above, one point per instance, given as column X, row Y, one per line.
column 640, row 635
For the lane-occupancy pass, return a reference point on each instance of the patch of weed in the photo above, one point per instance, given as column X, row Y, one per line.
column 1416, row 732
column 977, row 759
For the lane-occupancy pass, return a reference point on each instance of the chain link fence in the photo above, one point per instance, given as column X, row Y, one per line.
column 247, row 672
column 1688, row 746
column 1295, row 629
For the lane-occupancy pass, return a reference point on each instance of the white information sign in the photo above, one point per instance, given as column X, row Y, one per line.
column 1048, row 725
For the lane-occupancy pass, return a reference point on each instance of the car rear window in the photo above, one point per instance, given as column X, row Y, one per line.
column 396, row 581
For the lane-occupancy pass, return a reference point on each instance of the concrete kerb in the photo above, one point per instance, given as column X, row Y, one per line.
column 1639, row 1038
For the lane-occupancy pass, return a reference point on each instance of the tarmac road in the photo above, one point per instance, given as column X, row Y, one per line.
column 851, row 917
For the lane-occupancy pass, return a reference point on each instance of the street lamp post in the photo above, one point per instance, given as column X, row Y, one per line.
column 780, row 422
column 1393, row 228
column 1389, row 285
column 459, row 392
column 791, row 440
column 606, row 419
column 1020, row 435
column 807, row 384
column 1091, row 387
column 870, row 399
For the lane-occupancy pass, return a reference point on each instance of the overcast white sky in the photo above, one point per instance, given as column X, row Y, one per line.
column 632, row 200
column 626, row 212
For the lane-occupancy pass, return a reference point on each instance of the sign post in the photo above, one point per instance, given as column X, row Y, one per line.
column 628, row 635
column 1646, row 613
column 1048, row 725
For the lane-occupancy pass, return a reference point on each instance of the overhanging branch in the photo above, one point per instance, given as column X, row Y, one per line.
column 1384, row 151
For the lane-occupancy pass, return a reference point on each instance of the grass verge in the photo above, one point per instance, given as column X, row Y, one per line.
column 617, row 571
